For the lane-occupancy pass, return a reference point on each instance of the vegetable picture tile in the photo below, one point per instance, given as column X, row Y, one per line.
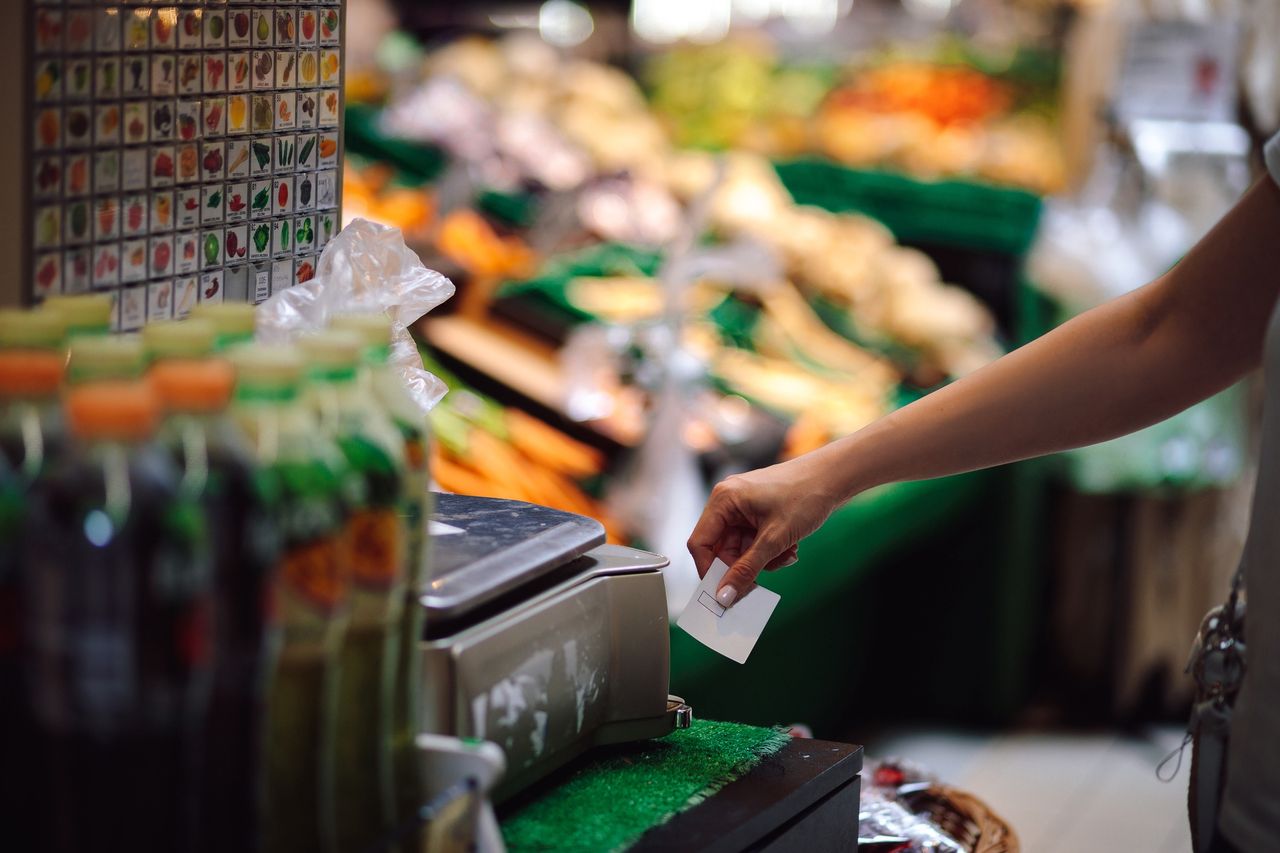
column 135, row 76
column 79, row 81
column 304, row 269
column 78, row 223
column 211, row 289
column 186, row 252
column 106, row 124
column 263, row 64
column 308, row 68
column 106, row 171
column 329, row 25
column 163, row 168
column 308, row 153
column 79, row 171
column 239, row 25
column 79, row 123
column 286, row 150
column 48, row 227
column 263, row 155
column 106, row 219
column 162, row 121
column 133, row 308
column 210, row 248
column 106, row 31
column 75, row 271
column 215, row 28
column 260, row 283
column 281, row 237
column 304, row 196
column 137, row 29
column 263, row 30
column 188, row 120
column 237, row 114
column 190, row 29
column 260, row 202
column 47, row 178
column 134, row 215
column 134, row 163
column 187, row 207
column 137, row 122
column 260, row 241
column 326, row 228
column 164, row 74
column 263, row 114
column 114, row 296
column 212, row 204
column 286, row 62
column 186, row 295
column 79, row 31
column 282, row 195
column 235, row 282
column 308, row 108
column 308, row 27
column 213, row 161
column 236, row 243
column 47, row 275
column 47, row 134
column 215, row 117
column 330, row 67
column 106, row 265
column 188, row 163
column 106, row 74
column 239, row 152
column 330, row 102
column 239, row 68
column 215, row 73
column 133, row 261
column 48, row 31
column 281, row 275
column 304, row 234
column 164, row 27
column 326, row 190
column 47, row 83
column 286, row 28
column 160, row 257
column 190, row 69
column 162, row 211
column 160, row 300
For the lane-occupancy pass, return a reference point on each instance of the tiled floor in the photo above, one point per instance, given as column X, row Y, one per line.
column 1062, row 792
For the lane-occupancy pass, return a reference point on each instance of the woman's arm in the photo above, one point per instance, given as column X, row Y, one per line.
column 1124, row 365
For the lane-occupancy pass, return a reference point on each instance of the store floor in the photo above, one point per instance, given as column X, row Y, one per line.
column 1063, row 792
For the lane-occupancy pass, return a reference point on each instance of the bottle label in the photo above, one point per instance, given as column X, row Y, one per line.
column 314, row 572
column 376, row 547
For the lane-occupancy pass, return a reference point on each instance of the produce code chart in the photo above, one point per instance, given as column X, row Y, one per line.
column 182, row 152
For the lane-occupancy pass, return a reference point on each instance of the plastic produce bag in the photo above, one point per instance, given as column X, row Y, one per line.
column 366, row 268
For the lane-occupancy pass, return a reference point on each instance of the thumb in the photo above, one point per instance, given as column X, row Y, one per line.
column 741, row 576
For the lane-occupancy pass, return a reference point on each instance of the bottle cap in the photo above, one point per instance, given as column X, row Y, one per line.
column 85, row 313
column 233, row 322
column 113, row 409
column 26, row 373
column 178, row 339
column 266, row 368
column 193, row 386
column 93, row 359
column 331, row 355
column 38, row 330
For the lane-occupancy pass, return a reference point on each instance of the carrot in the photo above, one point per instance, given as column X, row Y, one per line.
column 550, row 447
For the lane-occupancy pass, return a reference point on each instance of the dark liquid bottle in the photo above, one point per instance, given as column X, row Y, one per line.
column 117, row 599
column 240, row 503
column 312, row 597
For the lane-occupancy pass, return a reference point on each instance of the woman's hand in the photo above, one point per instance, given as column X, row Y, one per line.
column 755, row 521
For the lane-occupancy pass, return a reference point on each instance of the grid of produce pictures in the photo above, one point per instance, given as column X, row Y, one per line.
column 182, row 153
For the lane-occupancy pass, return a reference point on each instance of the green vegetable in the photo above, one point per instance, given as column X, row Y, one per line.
column 261, row 237
column 211, row 248
column 306, row 150
column 262, row 151
column 306, row 232
column 215, row 200
column 262, row 199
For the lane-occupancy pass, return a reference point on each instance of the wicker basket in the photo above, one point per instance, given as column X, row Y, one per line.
column 966, row 818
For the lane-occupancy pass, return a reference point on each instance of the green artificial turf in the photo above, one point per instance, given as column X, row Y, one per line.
column 611, row 802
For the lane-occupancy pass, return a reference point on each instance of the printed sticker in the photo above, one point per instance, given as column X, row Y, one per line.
column 263, row 69
column 286, row 150
column 212, row 161
column 237, row 114
column 308, row 24
column 260, row 280
column 238, row 25
column 161, row 121
column 307, row 150
column 107, row 31
column 260, row 204
column 187, row 208
column 163, row 166
column 238, row 154
column 215, row 28
column 134, row 163
column 188, row 163
column 329, row 27
column 235, row 282
column 78, row 127
column 329, row 105
column 326, row 190
column 263, row 28
column 308, row 68
column 286, row 105
column 186, row 292
column 238, row 67
column 48, row 129
column 133, row 261
column 304, row 197
column 106, row 124
column 107, row 77
column 215, row 116
column 79, row 31
column 79, row 82
column 78, row 223
column 326, row 228
column 186, row 252
column 211, row 287
column 188, row 120
column 210, row 248
column 136, row 122
column 48, row 227
column 286, row 69
column 47, row 177
column 286, row 28
column 48, row 80
column 137, row 30
column 236, row 243
column 75, row 271
column 161, row 257
column 282, row 237
column 48, row 31
column 160, row 300
column 106, row 171
column 135, row 76
column 304, row 234
column 134, row 215
column 164, row 24
column 106, row 220
column 263, row 151
column 260, row 241
column 78, row 173
column 282, row 195
column 330, row 67
column 106, row 265
column 237, row 202
column 281, row 275
column 215, row 73
column 212, row 205
column 263, row 114
column 189, row 71
column 162, row 211
column 190, row 31
column 164, row 77
column 304, row 270
column 133, row 308
column 48, row 275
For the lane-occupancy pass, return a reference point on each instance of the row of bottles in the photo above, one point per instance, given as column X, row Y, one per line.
column 209, row 557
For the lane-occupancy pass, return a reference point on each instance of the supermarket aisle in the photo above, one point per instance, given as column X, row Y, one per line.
column 1063, row 792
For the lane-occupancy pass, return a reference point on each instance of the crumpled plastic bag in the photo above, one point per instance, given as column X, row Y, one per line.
column 365, row 268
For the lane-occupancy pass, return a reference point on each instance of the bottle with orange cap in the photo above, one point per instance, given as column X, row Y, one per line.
column 31, row 434
column 240, row 503
column 313, row 595
column 233, row 322
column 352, row 417
column 118, row 590
column 85, row 314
